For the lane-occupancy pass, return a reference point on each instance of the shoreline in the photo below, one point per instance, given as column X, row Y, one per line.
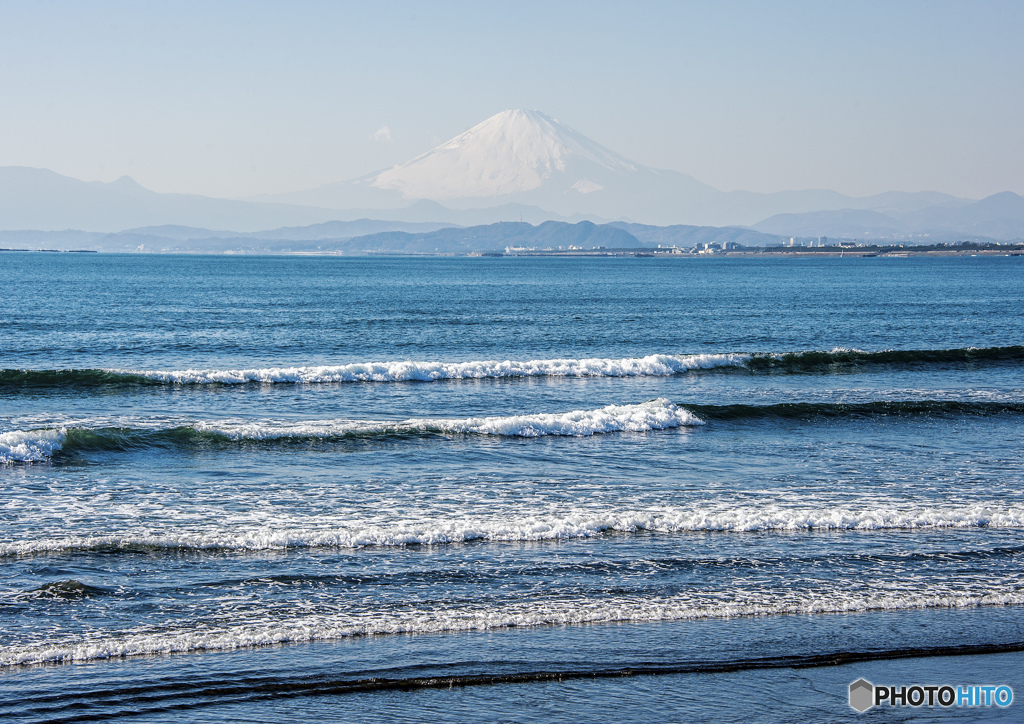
column 765, row 254
column 749, row 253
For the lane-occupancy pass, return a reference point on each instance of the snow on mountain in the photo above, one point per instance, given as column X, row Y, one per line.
column 512, row 152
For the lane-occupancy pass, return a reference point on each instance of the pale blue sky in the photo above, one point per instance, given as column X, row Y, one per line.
column 239, row 98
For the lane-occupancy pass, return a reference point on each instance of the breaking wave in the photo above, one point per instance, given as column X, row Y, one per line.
column 30, row 446
column 37, row 445
column 573, row 525
column 659, row 414
column 515, row 615
column 424, row 371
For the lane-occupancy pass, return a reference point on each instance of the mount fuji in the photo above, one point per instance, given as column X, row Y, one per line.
column 526, row 159
column 508, row 155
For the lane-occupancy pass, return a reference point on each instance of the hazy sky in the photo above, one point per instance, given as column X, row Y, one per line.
column 239, row 98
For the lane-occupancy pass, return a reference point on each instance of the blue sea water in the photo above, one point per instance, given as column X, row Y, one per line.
column 506, row 489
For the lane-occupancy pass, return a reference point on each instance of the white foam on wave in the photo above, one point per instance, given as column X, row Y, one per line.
column 652, row 415
column 29, row 446
column 36, row 445
column 572, row 525
column 658, row 365
column 326, row 627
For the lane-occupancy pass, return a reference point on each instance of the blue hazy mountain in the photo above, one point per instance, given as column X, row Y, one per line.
column 494, row 237
column 1000, row 217
column 339, row 236
column 34, row 198
column 684, row 236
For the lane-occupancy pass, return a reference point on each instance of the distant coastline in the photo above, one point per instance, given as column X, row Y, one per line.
column 781, row 252
column 860, row 250
column 56, row 251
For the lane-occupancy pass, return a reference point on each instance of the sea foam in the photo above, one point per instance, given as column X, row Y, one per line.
column 29, row 446
column 652, row 415
column 446, row 528
column 324, row 627
column 806, row 361
column 651, row 365
column 37, row 445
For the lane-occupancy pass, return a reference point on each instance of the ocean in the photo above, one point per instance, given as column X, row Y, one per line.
column 241, row 488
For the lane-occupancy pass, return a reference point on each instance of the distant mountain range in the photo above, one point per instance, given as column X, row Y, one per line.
column 999, row 217
column 517, row 166
column 329, row 235
column 35, row 198
column 494, row 237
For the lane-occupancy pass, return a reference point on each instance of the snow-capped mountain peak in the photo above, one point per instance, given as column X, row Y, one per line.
column 512, row 152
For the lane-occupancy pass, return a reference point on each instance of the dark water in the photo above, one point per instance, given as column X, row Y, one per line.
column 506, row 489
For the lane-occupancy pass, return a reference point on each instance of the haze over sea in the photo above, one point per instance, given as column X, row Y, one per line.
column 491, row 489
